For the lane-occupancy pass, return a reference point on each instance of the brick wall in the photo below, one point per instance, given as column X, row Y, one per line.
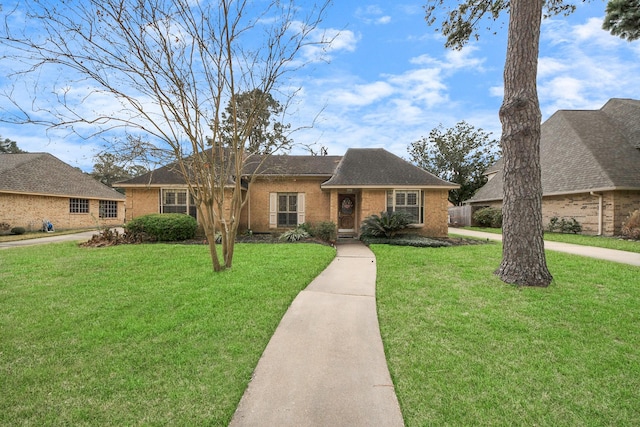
column 317, row 202
column 624, row 204
column 616, row 207
column 28, row 211
column 142, row 201
column 436, row 202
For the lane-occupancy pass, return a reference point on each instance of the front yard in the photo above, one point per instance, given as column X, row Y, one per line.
column 146, row 334
column 466, row 349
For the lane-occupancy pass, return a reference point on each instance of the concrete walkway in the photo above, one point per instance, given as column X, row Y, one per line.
column 325, row 365
column 623, row 257
column 52, row 238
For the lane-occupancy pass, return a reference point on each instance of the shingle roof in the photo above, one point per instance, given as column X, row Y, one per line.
column 358, row 167
column 293, row 165
column 376, row 167
column 585, row 150
column 44, row 174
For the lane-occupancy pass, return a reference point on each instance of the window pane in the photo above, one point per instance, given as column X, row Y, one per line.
column 390, row 200
column 169, row 198
column 293, row 203
column 400, row 199
column 282, row 203
column 412, row 199
column 182, row 198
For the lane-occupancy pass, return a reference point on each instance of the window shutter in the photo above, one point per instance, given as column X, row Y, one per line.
column 273, row 210
column 301, row 215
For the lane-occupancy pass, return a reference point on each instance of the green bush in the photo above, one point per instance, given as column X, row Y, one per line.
column 631, row 227
column 488, row 217
column 295, row 234
column 564, row 225
column 162, row 227
column 386, row 224
column 18, row 230
column 326, row 231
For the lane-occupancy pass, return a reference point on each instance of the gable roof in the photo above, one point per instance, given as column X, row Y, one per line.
column 376, row 167
column 44, row 174
column 585, row 150
column 359, row 167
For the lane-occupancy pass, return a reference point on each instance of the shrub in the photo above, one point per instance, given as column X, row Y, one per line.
column 386, row 224
column 18, row 230
column 295, row 234
column 162, row 227
column 326, row 231
column 415, row 241
column 488, row 217
column 564, row 225
column 5, row 226
column 631, row 227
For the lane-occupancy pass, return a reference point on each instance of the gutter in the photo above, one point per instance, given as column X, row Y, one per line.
column 599, row 195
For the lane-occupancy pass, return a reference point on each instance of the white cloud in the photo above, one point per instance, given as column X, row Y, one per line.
column 372, row 14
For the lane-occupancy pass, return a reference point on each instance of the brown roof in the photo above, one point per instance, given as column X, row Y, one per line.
column 44, row 174
column 358, row 167
column 376, row 167
column 585, row 150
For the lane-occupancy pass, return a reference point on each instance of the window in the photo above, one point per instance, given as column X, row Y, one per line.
column 79, row 205
column 287, row 210
column 108, row 209
column 409, row 201
column 175, row 201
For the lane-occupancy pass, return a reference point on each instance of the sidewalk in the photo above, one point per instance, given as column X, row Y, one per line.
column 623, row 257
column 53, row 238
column 325, row 364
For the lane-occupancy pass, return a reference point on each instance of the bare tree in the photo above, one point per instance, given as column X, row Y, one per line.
column 523, row 258
column 165, row 69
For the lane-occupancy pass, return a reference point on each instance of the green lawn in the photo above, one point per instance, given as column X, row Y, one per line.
column 466, row 349
column 147, row 335
column 579, row 239
column 139, row 335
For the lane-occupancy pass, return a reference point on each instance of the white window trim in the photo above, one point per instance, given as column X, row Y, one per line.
column 420, row 203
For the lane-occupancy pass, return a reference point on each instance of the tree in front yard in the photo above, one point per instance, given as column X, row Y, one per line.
column 460, row 155
column 523, row 258
column 166, row 70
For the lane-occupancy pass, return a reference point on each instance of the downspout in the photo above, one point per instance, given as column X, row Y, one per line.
column 599, row 211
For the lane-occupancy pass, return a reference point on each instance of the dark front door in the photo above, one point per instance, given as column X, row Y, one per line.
column 346, row 213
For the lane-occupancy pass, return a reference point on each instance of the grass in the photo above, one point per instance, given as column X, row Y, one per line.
column 139, row 335
column 580, row 239
column 466, row 349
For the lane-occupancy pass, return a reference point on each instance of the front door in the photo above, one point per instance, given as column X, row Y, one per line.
column 346, row 213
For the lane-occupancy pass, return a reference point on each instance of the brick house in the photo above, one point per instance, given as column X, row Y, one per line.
column 287, row 190
column 590, row 161
column 38, row 186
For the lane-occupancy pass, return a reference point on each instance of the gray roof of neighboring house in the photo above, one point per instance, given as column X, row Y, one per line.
column 585, row 150
column 358, row 167
column 44, row 174
column 376, row 167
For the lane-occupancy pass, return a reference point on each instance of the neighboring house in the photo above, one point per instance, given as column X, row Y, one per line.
column 590, row 163
column 289, row 190
column 38, row 186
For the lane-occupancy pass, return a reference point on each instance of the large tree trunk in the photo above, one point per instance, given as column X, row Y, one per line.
column 523, row 259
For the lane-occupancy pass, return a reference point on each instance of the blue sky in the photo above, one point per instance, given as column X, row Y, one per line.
column 390, row 80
